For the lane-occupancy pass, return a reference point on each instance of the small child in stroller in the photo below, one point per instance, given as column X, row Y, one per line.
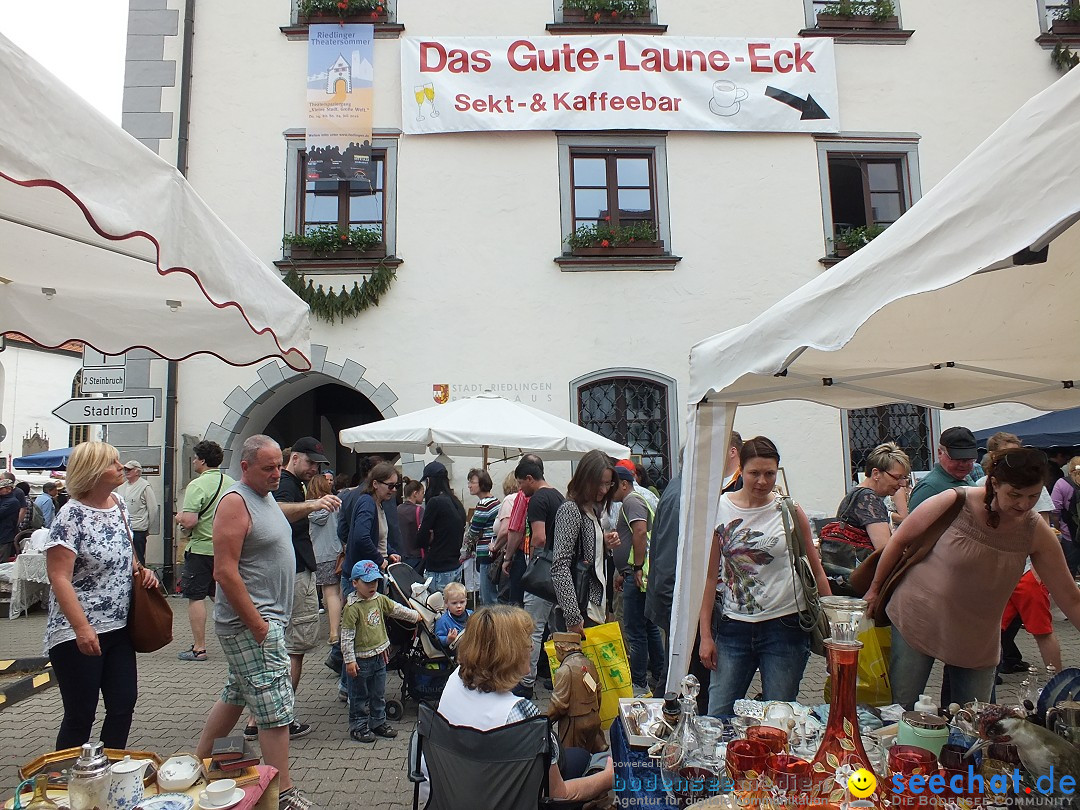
column 451, row 624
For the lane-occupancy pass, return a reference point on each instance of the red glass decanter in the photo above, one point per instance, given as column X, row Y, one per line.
column 841, row 752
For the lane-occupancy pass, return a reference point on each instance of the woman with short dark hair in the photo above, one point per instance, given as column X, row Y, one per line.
column 749, row 618
column 481, row 533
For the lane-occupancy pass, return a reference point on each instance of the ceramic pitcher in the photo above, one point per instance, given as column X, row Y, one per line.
column 126, row 785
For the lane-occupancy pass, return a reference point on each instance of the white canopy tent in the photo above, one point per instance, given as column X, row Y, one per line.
column 944, row 310
column 488, row 426
column 103, row 241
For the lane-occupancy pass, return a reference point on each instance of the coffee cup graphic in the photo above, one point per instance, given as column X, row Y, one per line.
column 726, row 97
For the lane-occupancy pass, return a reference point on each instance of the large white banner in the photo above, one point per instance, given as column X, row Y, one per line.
column 460, row 84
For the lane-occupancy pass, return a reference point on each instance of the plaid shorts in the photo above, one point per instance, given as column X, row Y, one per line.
column 259, row 676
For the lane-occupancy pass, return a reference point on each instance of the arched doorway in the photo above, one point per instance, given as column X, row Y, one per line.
column 323, row 412
column 287, row 404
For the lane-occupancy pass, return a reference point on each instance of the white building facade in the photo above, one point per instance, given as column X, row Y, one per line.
column 485, row 295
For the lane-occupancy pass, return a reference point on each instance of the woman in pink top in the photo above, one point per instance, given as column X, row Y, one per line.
column 948, row 607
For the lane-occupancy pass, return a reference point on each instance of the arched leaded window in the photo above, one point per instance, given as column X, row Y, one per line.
column 635, row 411
column 77, row 434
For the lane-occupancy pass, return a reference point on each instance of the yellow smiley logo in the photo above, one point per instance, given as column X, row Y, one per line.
column 861, row 783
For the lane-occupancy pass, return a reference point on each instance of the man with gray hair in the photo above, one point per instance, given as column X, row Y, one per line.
column 255, row 571
column 141, row 504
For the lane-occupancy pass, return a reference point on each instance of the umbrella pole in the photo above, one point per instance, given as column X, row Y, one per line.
column 485, row 457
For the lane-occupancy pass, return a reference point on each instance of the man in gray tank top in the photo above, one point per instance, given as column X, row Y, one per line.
column 254, row 569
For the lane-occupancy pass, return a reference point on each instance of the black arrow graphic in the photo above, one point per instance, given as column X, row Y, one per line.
column 809, row 108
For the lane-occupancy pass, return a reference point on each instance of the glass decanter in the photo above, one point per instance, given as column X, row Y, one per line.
column 683, row 746
column 841, row 751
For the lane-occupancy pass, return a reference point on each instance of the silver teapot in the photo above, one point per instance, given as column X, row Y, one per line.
column 1064, row 720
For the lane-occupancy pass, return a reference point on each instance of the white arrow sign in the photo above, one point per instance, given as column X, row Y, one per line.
column 103, row 379
column 117, row 410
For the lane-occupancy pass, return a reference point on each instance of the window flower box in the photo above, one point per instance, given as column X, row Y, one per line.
column 1066, row 28
column 858, row 22
column 642, row 248
column 332, row 12
column 344, row 254
column 581, row 16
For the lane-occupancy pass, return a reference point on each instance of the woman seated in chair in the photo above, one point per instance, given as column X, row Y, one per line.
column 492, row 658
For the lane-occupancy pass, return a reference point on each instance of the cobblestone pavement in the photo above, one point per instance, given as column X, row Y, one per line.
column 175, row 696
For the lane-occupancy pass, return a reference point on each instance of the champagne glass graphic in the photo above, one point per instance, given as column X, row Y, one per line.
column 429, row 92
column 419, row 93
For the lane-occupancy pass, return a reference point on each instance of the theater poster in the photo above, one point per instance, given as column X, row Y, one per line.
column 340, row 96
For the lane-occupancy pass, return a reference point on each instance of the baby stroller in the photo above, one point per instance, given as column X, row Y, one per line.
column 415, row 651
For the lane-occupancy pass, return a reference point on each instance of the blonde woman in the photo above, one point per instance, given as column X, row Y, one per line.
column 492, row 657
column 90, row 560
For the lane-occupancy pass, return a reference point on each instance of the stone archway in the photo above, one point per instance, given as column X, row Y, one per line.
column 249, row 410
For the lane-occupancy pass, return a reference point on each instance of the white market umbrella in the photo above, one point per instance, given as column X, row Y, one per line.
column 487, row 425
column 969, row 298
column 104, row 242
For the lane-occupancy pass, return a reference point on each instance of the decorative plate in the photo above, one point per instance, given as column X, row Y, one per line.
column 1063, row 686
column 166, row 801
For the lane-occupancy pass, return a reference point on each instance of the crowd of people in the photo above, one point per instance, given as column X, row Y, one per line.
column 289, row 536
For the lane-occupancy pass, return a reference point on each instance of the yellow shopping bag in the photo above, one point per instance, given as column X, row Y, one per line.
column 603, row 645
column 872, row 685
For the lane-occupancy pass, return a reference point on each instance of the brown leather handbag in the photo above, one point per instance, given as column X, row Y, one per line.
column 916, row 551
column 150, row 619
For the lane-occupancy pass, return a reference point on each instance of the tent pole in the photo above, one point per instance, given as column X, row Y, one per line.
column 485, row 458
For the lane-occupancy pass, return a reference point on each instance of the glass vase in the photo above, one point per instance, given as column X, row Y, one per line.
column 841, row 752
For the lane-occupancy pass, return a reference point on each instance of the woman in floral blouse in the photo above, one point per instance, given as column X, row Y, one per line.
column 90, row 564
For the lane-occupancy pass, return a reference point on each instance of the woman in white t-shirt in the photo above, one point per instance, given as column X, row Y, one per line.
column 749, row 613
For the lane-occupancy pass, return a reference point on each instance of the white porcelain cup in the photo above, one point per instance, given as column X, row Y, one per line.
column 218, row 793
column 726, row 94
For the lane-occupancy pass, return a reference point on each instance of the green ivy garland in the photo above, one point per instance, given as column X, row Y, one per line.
column 333, row 305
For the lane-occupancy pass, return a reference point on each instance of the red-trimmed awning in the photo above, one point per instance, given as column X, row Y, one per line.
column 104, row 242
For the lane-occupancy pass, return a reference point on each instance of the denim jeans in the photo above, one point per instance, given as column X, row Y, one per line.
column 909, row 671
column 82, row 678
column 489, row 592
column 517, row 570
column 367, row 694
column 542, row 612
column 779, row 648
column 440, row 579
column 645, row 644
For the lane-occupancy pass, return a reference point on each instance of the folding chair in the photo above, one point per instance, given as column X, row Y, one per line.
column 502, row 769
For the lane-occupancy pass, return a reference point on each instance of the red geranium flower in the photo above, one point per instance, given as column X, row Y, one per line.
column 596, row 17
column 343, row 6
column 378, row 9
column 614, row 14
column 607, row 218
column 344, row 238
column 374, row 15
column 605, row 243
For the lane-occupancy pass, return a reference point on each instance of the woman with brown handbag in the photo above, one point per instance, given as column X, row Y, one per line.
column 948, row 605
column 91, row 563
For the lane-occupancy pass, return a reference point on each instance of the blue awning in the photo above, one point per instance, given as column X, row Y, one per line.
column 1055, row 429
column 48, row 460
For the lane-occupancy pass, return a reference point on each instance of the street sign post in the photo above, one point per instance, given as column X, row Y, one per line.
column 103, row 379
column 112, row 411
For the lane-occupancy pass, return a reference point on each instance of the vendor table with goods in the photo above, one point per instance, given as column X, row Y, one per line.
column 784, row 754
column 29, row 583
column 108, row 779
